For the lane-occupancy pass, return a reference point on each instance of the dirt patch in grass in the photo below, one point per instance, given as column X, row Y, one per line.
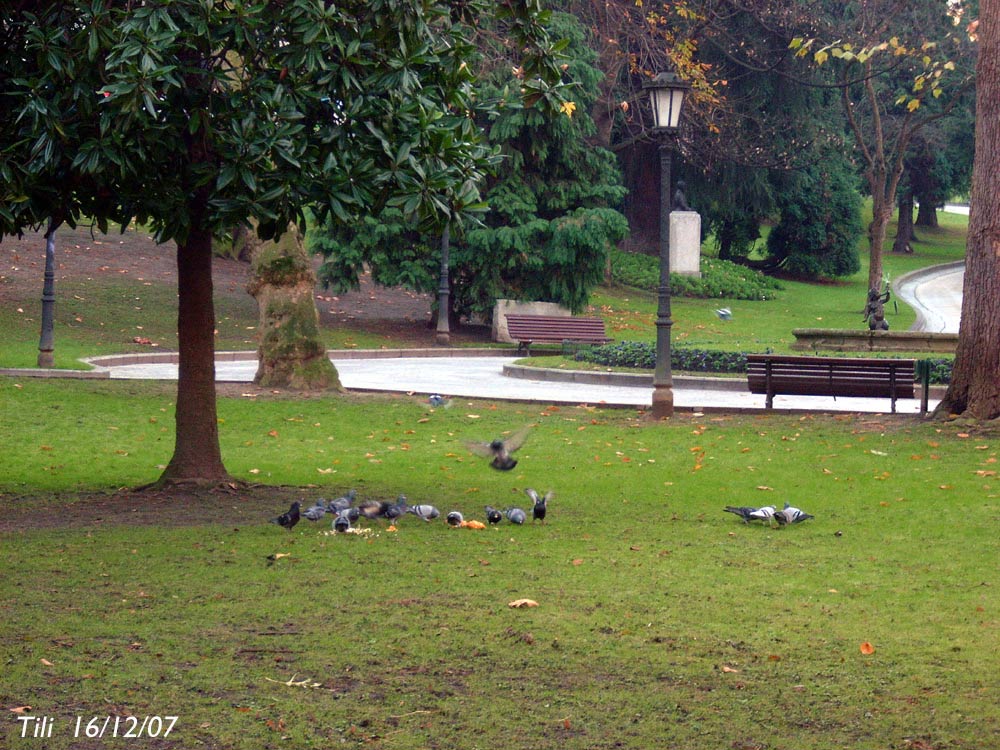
column 236, row 505
column 400, row 315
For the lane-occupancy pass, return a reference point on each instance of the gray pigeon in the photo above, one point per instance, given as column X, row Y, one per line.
column 749, row 514
column 540, row 506
column 425, row 512
column 724, row 313
column 516, row 515
column 499, row 451
column 289, row 518
column 341, row 523
column 454, row 518
column 493, row 516
column 372, row 508
column 395, row 510
column 790, row 514
column 341, row 503
column 436, row 400
column 315, row 512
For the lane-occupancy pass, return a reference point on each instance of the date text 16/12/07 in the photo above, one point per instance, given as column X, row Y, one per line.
column 101, row 726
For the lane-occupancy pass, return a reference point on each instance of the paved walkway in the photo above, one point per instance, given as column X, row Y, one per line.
column 482, row 377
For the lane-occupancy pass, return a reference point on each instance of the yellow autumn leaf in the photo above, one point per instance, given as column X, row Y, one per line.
column 568, row 108
column 913, row 106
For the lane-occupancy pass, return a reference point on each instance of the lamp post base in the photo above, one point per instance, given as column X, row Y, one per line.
column 663, row 401
column 442, row 338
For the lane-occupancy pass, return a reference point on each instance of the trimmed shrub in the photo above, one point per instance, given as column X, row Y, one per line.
column 720, row 279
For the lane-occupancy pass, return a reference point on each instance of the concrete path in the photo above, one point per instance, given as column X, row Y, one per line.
column 482, row 377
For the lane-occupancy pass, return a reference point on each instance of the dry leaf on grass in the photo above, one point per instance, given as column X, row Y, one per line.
column 867, row 649
column 519, row 603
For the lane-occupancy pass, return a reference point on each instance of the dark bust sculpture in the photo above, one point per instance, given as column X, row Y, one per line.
column 680, row 201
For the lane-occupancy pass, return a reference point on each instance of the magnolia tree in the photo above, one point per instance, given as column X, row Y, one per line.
column 194, row 117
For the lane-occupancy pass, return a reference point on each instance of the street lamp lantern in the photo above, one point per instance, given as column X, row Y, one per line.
column 666, row 94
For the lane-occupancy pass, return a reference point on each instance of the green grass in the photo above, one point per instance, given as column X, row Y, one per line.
column 662, row 622
column 756, row 326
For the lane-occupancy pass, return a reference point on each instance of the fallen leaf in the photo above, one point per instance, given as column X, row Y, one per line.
column 46, row 663
column 19, row 709
column 867, row 648
column 520, row 603
column 578, row 561
column 729, row 669
column 765, row 488
column 273, row 433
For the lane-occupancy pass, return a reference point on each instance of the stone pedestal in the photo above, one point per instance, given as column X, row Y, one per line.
column 685, row 243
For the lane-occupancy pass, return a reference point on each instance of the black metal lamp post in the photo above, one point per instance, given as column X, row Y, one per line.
column 443, row 336
column 46, row 342
column 667, row 94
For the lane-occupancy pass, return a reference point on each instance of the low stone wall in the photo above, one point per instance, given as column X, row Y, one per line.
column 847, row 340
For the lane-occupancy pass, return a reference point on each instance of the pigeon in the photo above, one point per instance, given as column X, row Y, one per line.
column 499, row 450
column 436, row 400
column 289, row 518
column 341, row 503
column 493, row 516
column 372, row 508
column 351, row 514
column 341, row 523
column 540, row 504
column 790, row 514
column 395, row 510
column 516, row 515
column 315, row 512
column 425, row 512
column 724, row 313
column 749, row 514
column 454, row 518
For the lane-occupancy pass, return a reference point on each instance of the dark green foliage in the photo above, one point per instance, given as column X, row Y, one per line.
column 820, row 224
column 642, row 355
column 551, row 218
column 721, row 279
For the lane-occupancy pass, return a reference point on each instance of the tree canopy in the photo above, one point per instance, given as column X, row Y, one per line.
column 194, row 117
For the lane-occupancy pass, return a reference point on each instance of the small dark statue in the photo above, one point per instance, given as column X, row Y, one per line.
column 680, row 200
column 875, row 309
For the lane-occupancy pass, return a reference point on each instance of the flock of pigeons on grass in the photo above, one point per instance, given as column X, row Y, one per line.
column 347, row 512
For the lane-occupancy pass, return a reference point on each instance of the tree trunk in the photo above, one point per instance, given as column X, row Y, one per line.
column 927, row 214
column 881, row 214
column 284, row 284
column 904, row 225
column 975, row 384
column 197, row 456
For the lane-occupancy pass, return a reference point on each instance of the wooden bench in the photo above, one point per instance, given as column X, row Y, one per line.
column 554, row 329
column 773, row 374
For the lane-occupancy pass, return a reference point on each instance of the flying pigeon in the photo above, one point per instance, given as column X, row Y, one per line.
column 516, row 515
column 540, row 504
column 341, row 523
column 289, row 518
column 315, row 512
column 493, row 516
column 724, row 313
column 345, row 501
column 790, row 514
column 499, row 450
column 425, row 512
column 454, row 518
column 751, row 514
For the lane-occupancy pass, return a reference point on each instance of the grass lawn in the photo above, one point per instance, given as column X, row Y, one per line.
column 662, row 622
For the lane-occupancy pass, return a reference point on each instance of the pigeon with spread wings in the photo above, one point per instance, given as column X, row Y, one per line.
column 499, row 451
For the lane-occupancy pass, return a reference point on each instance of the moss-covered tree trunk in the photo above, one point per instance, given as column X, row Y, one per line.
column 289, row 348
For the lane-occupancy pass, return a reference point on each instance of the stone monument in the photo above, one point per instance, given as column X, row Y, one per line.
column 685, row 235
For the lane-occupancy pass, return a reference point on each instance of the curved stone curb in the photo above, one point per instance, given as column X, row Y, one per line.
column 627, row 379
column 913, row 278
